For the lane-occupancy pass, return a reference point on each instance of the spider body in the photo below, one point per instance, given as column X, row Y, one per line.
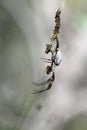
column 58, row 58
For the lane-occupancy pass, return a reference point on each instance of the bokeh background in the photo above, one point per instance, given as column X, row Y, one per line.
column 25, row 29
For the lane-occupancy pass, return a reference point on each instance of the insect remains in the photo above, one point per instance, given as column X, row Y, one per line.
column 56, row 56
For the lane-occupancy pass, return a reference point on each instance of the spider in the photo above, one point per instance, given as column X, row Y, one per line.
column 55, row 60
column 56, row 56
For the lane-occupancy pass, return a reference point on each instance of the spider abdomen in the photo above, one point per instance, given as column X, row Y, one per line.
column 58, row 58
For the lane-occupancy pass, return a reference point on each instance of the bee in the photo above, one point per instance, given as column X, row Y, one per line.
column 56, row 56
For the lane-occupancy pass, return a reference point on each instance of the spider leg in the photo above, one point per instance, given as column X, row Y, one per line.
column 49, row 82
column 43, row 83
column 51, row 79
column 57, row 41
column 40, row 91
column 45, row 59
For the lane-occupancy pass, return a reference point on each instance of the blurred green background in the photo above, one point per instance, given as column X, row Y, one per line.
column 25, row 28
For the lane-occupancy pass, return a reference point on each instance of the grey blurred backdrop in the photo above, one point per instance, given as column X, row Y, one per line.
column 25, row 29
